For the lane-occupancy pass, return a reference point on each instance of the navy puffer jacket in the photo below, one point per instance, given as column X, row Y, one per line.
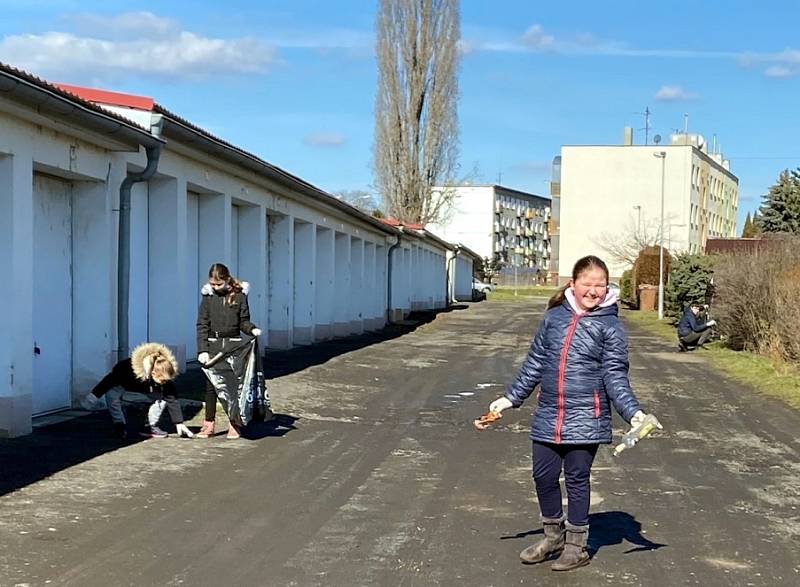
column 581, row 362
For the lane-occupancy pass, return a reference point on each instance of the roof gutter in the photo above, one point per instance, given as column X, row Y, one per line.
column 49, row 100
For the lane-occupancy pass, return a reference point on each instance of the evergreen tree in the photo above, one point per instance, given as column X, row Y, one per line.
column 780, row 211
column 747, row 231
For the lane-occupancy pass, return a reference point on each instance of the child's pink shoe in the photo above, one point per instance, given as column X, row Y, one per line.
column 206, row 431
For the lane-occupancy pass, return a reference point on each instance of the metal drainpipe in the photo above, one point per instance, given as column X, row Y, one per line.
column 452, row 263
column 124, row 246
column 389, row 281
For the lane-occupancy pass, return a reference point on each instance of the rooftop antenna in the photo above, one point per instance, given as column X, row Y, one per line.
column 714, row 145
column 686, row 124
column 646, row 128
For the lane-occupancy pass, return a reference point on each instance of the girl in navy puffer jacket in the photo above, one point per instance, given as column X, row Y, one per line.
column 579, row 357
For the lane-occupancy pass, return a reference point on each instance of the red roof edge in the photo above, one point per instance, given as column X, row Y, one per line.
column 394, row 222
column 109, row 98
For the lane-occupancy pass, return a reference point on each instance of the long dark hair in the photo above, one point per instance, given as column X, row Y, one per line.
column 221, row 272
column 583, row 264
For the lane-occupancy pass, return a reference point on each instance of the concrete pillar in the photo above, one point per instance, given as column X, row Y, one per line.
column 407, row 281
column 381, row 298
column 341, row 310
column 16, row 228
column 368, row 289
column 356, row 286
column 252, row 245
column 304, row 267
column 325, row 291
column 167, row 266
column 281, row 281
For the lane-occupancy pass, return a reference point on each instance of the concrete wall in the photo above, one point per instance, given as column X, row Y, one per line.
column 61, row 190
column 314, row 271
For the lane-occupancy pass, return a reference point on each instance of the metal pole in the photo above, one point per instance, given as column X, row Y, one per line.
column 661, row 248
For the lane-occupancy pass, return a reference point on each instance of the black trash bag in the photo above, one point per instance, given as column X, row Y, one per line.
column 238, row 378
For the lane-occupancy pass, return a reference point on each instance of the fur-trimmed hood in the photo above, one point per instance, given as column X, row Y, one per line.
column 206, row 290
column 143, row 357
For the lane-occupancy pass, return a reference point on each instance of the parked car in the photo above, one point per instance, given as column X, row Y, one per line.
column 482, row 287
column 614, row 288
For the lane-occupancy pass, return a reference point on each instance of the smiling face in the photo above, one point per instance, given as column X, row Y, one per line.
column 590, row 288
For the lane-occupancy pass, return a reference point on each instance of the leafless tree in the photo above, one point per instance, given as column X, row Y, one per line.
column 416, row 118
column 361, row 199
column 623, row 247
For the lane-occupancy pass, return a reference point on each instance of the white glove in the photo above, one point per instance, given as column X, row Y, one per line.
column 203, row 358
column 256, row 332
column 184, row 431
column 711, row 323
column 500, row 404
column 638, row 418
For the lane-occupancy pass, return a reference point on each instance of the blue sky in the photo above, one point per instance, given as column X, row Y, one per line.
column 294, row 81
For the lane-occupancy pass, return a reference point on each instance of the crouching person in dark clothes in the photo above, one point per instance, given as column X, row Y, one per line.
column 150, row 370
column 693, row 332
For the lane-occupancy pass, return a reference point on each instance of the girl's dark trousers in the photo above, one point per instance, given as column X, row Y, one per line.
column 576, row 461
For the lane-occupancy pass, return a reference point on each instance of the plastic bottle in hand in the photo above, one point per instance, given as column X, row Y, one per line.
column 635, row 434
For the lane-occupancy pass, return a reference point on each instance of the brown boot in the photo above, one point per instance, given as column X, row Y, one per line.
column 574, row 554
column 552, row 543
column 207, row 430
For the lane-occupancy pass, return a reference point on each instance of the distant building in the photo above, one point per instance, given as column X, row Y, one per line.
column 501, row 223
column 608, row 190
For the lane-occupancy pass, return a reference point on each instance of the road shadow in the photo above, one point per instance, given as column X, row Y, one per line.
column 55, row 447
column 607, row 529
column 280, row 425
column 285, row 362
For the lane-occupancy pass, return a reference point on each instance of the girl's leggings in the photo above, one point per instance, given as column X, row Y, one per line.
column 576, row 460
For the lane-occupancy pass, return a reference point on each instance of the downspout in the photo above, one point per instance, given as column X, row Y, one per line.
column 124, row 245
column 389, row 281
column 447, row 274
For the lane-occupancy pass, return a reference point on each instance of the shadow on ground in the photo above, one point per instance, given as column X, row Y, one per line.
column 81, row 436
column 608, row 529
column 280, row 363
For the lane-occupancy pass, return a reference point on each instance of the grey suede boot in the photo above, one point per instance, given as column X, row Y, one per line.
column 574, row 554
column 552, row 542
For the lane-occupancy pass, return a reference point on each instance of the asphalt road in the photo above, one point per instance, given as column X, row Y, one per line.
column 376, row 477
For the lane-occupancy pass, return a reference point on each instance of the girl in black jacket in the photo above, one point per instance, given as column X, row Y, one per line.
column 223, row 315
column 149, row 370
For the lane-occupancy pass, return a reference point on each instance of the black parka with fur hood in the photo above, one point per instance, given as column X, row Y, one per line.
column 219, row 317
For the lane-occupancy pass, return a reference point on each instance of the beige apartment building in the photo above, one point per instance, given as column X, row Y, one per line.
column 605, row 192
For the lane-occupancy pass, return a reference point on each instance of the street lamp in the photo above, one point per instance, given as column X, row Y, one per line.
column 663, row 156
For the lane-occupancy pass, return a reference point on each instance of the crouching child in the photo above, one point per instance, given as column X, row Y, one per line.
column 149, row 370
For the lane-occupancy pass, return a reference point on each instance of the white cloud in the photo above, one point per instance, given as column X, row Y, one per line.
column 149, row 46
column 324, row 139
column 674, row 94
column 142, row 25
column 780, row 71
column 535, row 38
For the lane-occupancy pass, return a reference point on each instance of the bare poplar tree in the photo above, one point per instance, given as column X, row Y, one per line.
column 416, row 118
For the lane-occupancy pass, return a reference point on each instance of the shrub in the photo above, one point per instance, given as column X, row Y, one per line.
column 755, row 299
column 690, row 279
column 626, row 286
column 645, row 269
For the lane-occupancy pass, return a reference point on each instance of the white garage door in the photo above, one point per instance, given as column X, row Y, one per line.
column 52, row 294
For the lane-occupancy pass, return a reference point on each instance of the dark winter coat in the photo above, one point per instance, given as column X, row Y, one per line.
column 581, row 363
column 133, row 374
column 689, row 323
column 220, row 318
